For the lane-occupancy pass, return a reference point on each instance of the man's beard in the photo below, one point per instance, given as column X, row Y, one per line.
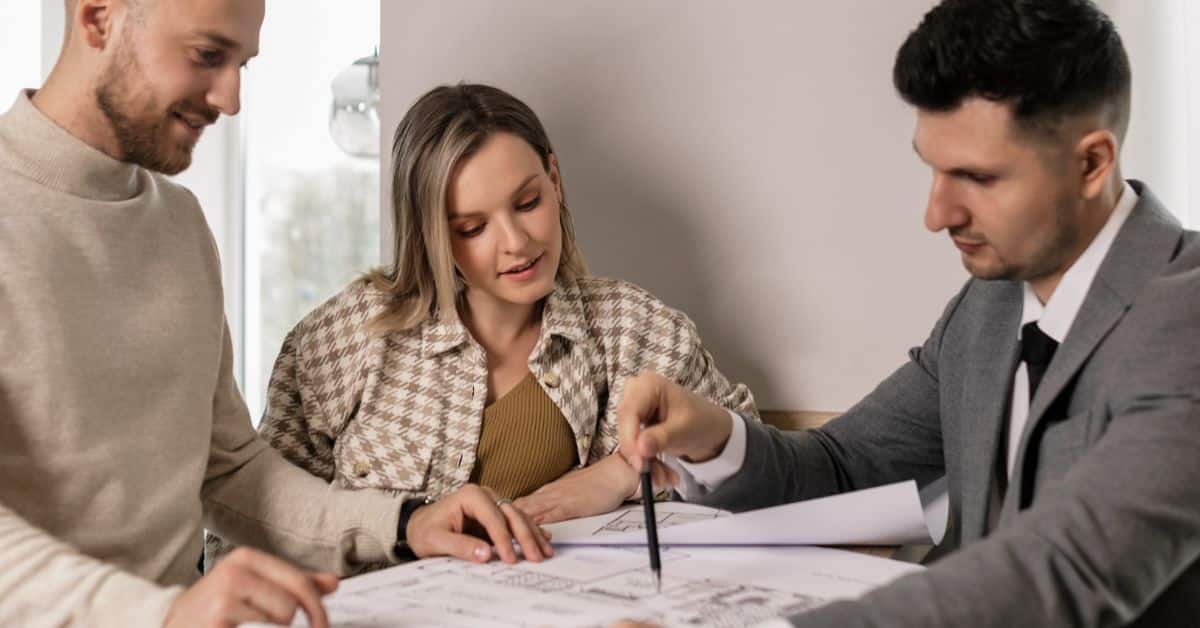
column 143, row 130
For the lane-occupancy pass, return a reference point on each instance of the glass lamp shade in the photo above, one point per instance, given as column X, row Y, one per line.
column 354, row 115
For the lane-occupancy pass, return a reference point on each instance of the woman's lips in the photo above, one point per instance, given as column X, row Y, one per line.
column 524, row 274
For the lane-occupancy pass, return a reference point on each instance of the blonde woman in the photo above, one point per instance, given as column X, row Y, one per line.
column 484, row 353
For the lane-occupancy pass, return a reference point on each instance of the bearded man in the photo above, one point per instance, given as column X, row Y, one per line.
column 122, row 432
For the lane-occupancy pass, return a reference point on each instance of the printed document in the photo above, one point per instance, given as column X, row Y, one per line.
column 596, row 586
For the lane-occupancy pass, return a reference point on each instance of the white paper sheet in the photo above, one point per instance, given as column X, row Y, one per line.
column 884, row 515
column 595, row 586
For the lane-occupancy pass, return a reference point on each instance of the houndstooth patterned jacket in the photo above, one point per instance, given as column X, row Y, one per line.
column 403, row 411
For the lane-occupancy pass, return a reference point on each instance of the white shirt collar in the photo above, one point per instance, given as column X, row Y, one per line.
column 1055, row 318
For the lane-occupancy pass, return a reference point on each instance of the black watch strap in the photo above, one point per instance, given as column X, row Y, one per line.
column 407, row 508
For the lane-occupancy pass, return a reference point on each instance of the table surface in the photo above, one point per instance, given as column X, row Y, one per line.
column 881, row 551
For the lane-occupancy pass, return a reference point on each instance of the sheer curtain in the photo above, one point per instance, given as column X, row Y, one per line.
column 1163, row 146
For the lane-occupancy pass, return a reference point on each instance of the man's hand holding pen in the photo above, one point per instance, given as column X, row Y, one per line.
column 657, row 416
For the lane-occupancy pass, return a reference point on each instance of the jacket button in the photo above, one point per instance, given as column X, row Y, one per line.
column 361, row 469
column 551, row 380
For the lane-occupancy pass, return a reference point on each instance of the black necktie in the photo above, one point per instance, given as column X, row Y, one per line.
column 1036, row 351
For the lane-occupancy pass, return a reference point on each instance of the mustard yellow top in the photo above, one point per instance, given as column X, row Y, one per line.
column 525, row 442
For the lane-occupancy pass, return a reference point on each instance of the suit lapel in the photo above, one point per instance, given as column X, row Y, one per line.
column 987, row 386
column 1101, row 311
column 1144, row 245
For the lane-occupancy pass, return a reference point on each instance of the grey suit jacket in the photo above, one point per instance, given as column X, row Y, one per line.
column 1100, row 525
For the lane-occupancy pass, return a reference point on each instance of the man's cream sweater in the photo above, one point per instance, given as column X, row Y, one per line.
column 122, row 432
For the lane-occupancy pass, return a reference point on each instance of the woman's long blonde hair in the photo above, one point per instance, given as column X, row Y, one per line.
column 444, row 127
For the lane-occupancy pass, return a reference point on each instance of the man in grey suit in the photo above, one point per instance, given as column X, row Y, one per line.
column 1059, row 393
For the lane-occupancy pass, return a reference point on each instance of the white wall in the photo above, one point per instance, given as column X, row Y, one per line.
column 747, row 162
column 1162, row 147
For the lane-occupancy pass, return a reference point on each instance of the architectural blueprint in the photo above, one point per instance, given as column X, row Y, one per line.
column 635, row 519
column 632, row 519
column 595, row 586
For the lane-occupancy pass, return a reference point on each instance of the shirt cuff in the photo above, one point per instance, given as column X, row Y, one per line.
column 698, row 478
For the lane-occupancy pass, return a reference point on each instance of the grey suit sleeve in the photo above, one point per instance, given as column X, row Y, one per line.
column 894, row 434
column 1123, row 524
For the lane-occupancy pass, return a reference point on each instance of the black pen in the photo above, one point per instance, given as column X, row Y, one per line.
column 651, row 525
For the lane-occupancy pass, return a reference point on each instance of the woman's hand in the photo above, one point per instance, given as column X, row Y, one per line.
column 592, row 490
column 443, row 528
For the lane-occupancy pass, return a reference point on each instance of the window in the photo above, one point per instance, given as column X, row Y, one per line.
column 311, row 211
column 21, row 49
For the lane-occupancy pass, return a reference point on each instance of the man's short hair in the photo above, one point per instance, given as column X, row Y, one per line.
column 135, row 6
column 1049, row 59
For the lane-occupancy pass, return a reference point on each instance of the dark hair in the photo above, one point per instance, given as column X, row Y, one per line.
column 1049, row 59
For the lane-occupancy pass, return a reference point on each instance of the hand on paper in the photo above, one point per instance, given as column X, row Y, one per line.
column 656, row 415
column 592, row 490
column 444, row 528
column 251, row 586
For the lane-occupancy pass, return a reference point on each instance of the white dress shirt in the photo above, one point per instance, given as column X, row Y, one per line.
column 696, row 479
column 1055, row 317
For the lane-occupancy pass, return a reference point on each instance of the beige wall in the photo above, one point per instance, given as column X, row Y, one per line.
column 1163, row 142
column 747, row 162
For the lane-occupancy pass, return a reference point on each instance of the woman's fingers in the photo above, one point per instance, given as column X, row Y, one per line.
column 533, row 546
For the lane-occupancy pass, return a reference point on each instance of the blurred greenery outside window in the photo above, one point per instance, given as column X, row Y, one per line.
column 311, row 210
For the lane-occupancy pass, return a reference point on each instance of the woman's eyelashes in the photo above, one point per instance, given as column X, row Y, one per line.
column 530, row 204
column 470, row 231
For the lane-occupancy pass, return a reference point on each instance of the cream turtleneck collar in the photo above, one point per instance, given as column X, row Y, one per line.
column 42, row 151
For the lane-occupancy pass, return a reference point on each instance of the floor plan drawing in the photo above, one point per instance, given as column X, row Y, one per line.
column 631, row 518
column 596, row 586
column 635, row 519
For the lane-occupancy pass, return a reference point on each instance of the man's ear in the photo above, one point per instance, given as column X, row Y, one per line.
column 1097, row 154
column 93, row 21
